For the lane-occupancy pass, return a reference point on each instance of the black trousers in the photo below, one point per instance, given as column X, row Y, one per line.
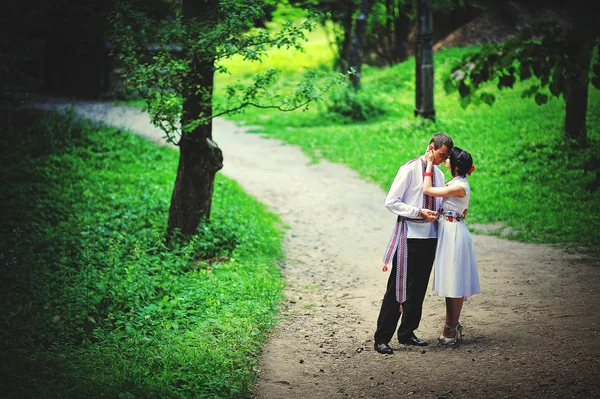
column 421, row 254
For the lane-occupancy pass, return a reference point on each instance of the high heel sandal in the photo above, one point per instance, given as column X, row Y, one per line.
column 443, row 340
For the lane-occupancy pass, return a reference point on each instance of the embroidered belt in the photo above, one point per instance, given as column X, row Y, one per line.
column 452, row 216
column 398, row 243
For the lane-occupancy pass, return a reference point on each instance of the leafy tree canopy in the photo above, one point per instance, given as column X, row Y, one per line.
column 158, row 53
column 555, row 54
column 540, row 52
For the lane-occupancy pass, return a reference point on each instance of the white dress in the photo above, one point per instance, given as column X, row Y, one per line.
column 455, row 269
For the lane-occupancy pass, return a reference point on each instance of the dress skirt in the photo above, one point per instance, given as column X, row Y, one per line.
column 455, row 269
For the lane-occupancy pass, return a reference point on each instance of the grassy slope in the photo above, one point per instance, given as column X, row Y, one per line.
column 526, row 176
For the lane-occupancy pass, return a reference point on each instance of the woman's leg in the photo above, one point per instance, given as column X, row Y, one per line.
column 453, row 309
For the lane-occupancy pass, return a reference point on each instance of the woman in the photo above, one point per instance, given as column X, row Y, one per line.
column 455, row 269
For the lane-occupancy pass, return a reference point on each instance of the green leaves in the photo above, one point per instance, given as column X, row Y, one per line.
column 158, row 56
column 449, row 86
column 488, row 98
column 539, row 53
column 349, row 105
column 530, row 92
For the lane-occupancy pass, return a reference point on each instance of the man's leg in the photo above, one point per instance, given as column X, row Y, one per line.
column 421, row 254
column 389, row 314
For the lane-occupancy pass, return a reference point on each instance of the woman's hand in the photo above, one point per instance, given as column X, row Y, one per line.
column 429, row 157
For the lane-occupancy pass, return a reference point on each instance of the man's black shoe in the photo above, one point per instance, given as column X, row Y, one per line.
column 412, row 340
column 383, row 348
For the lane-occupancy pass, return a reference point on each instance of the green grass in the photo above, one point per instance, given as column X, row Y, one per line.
column 95, row 301
column 528, row 177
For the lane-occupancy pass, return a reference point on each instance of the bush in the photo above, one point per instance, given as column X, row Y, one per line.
column 354, row 106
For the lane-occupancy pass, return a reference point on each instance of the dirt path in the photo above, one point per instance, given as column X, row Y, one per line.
column 533, row 332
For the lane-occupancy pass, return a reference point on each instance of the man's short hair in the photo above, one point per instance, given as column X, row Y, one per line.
column 439, row 139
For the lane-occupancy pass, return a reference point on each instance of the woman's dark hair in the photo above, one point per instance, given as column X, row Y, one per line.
column 461, row 161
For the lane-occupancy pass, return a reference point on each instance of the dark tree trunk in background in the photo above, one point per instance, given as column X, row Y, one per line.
column 357, row 41
column 199, row 156
column 401, row 32
column 576, row 112
column 580, row 52
column 345, row 45
column 424, row 61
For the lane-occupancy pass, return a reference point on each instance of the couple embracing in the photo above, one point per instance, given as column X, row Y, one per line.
column 429, row 229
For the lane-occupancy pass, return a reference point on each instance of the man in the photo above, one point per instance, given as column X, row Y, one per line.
column 412, row 247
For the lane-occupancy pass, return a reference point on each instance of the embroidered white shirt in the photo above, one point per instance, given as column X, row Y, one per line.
column 405, row 197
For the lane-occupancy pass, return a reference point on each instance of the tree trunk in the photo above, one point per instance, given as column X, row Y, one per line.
column 580, row 53
column 199, row 156
column 344, row 45
column 576, row 112
column 357, row 40
column 401, row 32
column 386, row 46
column 424, row 61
